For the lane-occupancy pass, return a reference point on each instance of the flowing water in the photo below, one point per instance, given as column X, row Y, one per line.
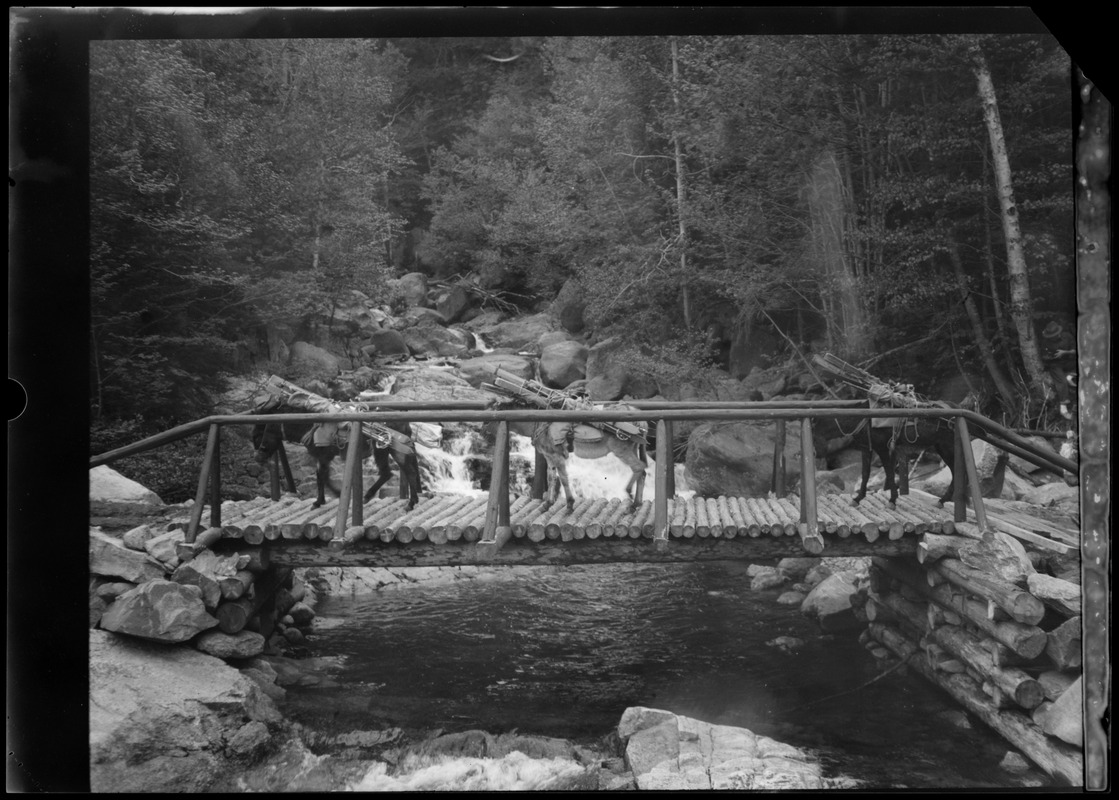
column 564, row 651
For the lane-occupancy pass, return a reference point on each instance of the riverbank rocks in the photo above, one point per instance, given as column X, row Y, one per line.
column 667, row 752
column 159, row 610
column 170, row 719
column 106, row 485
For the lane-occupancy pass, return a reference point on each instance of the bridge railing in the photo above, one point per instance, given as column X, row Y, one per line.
column 662, row 414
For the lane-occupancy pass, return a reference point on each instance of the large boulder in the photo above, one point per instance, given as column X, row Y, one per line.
column 429, row 340
column 611, row 375
column 521, row 333
column 386, row 345
column 667, row 752
column 159, row 610
column 109, row 558
column 170, row 719
column 106, row 485
column 568, row 307
column 314, row 356
column 830, row 602
column 243, row 644
column 452, row 302
column 481, row 369
column 562, row 363
column 412, row 288
column 736, row 459
column 433, row 384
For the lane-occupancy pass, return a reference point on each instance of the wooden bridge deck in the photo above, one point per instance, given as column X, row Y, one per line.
column 448, row 529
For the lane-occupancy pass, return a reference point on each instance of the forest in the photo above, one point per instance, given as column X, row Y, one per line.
column 902, row 201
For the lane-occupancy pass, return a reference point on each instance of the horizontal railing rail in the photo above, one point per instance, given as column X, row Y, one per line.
column 662, row 413
column 731, row 412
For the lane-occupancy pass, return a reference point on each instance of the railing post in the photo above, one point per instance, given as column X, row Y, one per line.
column 964, row 443
column 203, row 484
column 959, row 478
column 274, row 474
column 539, row 476
column 215, row 480
column 809, row 527
column 497, row 506
column 778, row 481
column 357, row 510
column 353, row 453
column 670, row 476
column 664, row 469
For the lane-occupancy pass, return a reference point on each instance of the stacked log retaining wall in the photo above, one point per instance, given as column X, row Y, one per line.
column 1007, row 649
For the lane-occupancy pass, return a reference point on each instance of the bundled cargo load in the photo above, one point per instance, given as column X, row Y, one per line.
column 288, row 395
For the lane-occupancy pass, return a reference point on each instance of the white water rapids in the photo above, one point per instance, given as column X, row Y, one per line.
column 450, row 458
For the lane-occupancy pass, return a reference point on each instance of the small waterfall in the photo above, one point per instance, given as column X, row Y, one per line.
column 480, row 344
column 449, row 458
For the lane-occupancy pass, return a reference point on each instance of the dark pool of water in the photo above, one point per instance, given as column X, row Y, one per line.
column 563, row 653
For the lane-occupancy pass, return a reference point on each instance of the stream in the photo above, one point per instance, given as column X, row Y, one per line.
column 563, row 651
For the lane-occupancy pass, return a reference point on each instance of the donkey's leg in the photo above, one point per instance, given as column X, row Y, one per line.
column 322, row 478
column 410, row 472
column 634, row 458
column 559, row 469
column 886, row 455
column 866, row 454
column 384, row 472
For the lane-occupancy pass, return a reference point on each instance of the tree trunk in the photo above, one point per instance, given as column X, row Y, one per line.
column 685, row 291
column 1021, row 301
column 1006, row 392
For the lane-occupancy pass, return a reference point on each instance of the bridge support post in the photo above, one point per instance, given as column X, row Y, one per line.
column 959, row 479
column 497, row 507
column 963, row 445
column 809, row 524
column 353, row 463
column 215, row 480
column 778, row 481
column 664, row 469
column 203, row 485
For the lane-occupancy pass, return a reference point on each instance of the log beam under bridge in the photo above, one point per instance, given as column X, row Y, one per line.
column 443, row 530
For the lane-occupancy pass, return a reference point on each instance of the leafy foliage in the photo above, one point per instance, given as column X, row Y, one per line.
column 815, row 185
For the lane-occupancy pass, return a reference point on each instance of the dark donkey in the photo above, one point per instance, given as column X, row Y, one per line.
column 886, row 442
column 324, row 443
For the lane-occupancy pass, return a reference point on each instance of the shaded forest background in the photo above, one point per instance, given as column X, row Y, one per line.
column 705, row 197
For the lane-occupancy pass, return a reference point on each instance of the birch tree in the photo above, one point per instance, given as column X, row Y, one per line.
column 1021, row 300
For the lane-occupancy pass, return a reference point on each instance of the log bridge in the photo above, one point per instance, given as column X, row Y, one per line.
column 985, row 642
